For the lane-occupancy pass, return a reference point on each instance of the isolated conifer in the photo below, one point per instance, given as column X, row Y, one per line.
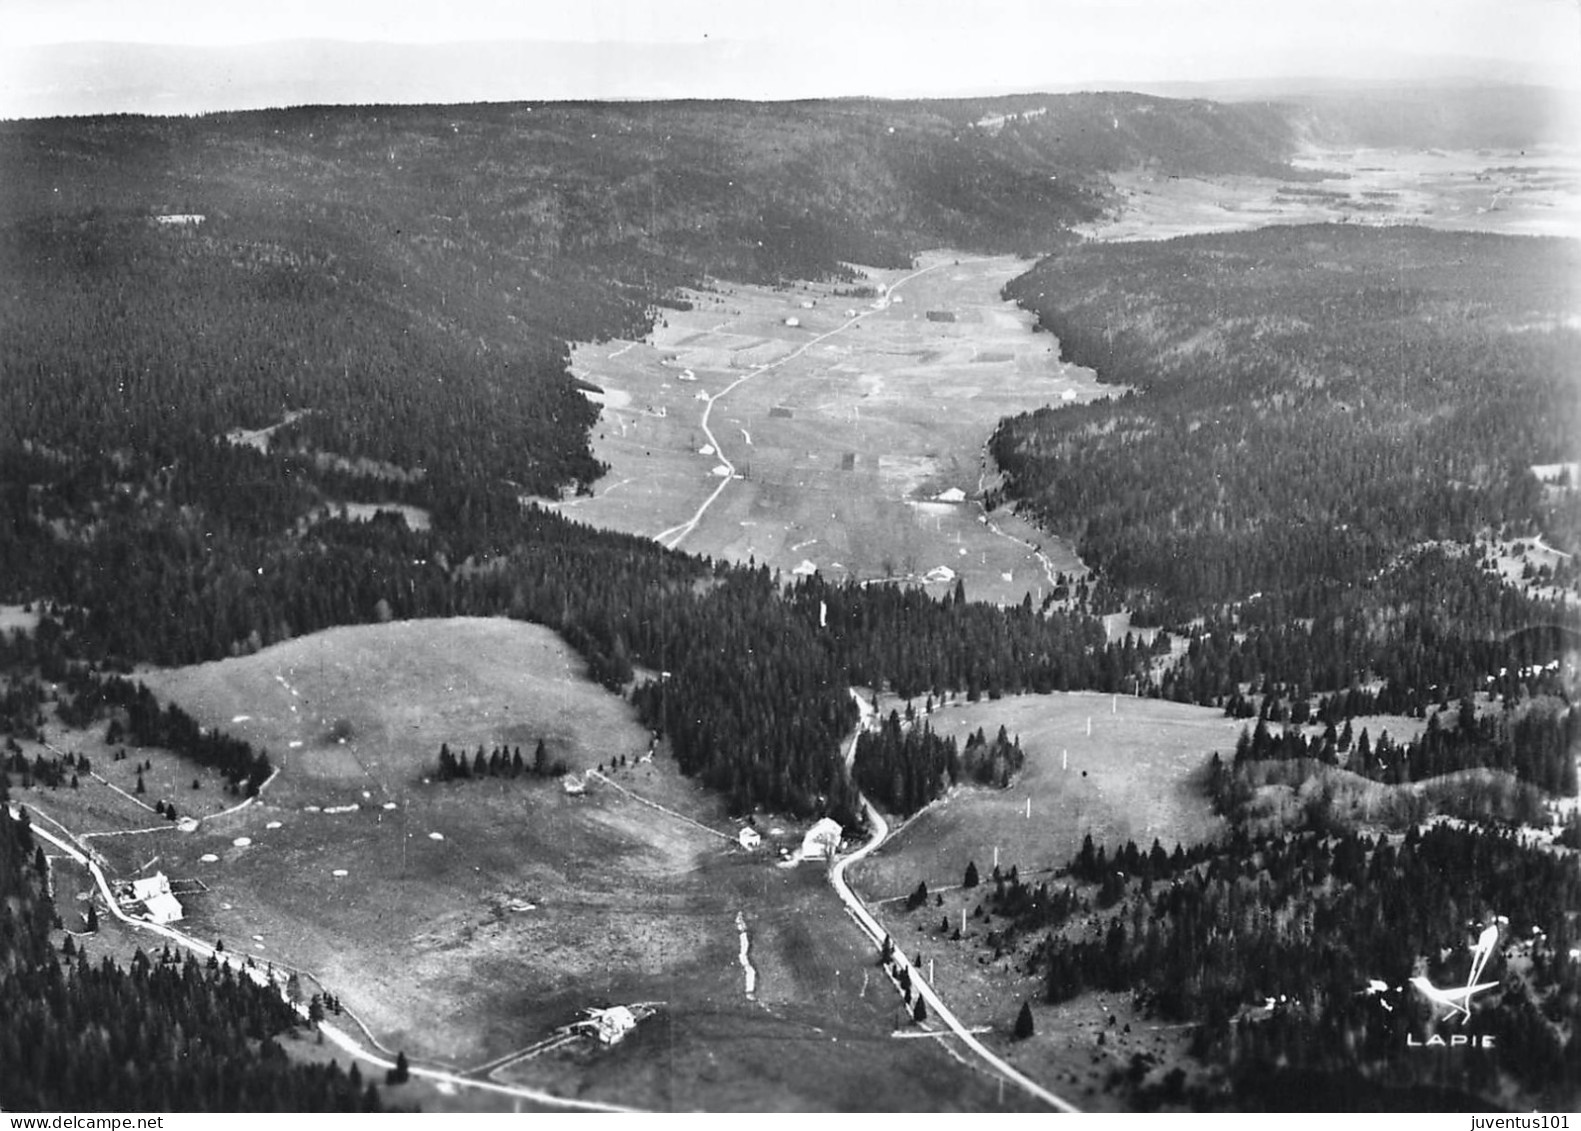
column 971, row 879
column 1024, row 1026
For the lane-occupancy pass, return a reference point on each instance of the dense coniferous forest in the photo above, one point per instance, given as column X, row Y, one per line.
column 1312, row 406
column 162, row 1035
column 1316, row 925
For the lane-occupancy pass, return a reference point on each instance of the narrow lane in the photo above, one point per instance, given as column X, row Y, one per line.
column 672, row 537
column 877, row 933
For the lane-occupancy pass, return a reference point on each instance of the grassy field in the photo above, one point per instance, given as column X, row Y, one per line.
column 1130, row 778
column 842, row 449
column 1513, row 192
column 529, row 904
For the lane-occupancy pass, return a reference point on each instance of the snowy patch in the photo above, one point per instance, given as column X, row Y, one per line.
column 242, row 841
column 272, row 825
column 209, row 858
column 436, row 836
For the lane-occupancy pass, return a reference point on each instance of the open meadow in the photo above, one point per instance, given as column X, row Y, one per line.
column 462, row 921
column 847, row 432
column 1131, row 774
column 1516, row 192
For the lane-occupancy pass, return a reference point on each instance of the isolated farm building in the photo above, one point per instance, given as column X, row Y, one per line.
column 951, row 495
column 611, row 1025
column 793, row 321
column 573, row 784
column 823, row 839
column 749, row 839
column 939, row 574
column 154, row 894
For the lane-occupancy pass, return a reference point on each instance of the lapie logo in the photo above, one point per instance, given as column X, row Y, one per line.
column 1456, row 1002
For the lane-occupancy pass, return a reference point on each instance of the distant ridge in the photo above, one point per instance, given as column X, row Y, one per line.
column 75, row 79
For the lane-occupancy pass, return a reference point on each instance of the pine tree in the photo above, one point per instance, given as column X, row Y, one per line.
column 1024, row 1026
column 971, row 879
column 402, row 1071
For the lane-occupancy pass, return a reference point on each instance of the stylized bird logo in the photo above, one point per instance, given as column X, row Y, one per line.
column 1458, row 1001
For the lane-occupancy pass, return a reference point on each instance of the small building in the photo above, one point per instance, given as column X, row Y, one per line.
column 611, row 1025
column 749, row 838
column 573, row 784
column 154, row 894
column 822, row 840
column 793, row 321
column 951, row 495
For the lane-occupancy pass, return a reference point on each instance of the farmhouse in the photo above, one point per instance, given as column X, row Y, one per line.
column 822, row 840
column 749, row 839
column 951, row 495
column 611, row 1025
column 154, row 894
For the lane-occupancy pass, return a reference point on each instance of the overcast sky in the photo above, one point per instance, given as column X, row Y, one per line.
column 746, row 48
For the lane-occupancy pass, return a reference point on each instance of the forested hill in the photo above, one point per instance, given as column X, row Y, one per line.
column 410, row 275
column 382, row 297
column 1315, row 405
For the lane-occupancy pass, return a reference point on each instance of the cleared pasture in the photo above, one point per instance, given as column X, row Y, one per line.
column 529, row 904
column 1131, row 778
column 834, row 446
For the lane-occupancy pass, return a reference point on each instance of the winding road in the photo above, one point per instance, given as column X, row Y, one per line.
column 876, row 932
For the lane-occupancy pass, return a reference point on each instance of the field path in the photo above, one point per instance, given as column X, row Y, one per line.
column 335, row 1036
column 877, row 933
column 655, row 805
column 673, row 537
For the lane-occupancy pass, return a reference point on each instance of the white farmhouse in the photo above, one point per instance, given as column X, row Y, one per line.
column 822, row 840
column 154, row 894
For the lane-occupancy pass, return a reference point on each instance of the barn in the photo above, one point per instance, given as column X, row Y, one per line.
column 154, row 894
column 822, row 840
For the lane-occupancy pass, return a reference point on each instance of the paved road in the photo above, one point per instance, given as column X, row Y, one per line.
column 877, row 933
